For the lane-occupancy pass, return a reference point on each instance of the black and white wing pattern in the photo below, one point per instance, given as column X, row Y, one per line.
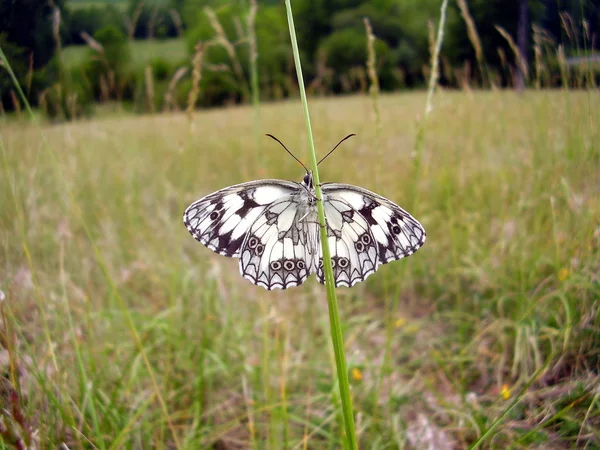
column 364, row 231
column 281, row 248
column 272, row 227
column 221, row 220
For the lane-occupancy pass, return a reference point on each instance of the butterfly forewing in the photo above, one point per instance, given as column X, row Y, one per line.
column 222, row 219
column 390, row 233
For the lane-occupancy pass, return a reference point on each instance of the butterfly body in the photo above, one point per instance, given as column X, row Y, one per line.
column 272, row 227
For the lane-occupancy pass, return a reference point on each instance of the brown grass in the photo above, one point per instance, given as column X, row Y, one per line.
column 473, row 38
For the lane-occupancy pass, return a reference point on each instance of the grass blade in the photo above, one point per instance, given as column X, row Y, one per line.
column 334, row 315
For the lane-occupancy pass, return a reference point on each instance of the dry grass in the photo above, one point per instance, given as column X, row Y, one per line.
column 503, row 297
column 473, row 37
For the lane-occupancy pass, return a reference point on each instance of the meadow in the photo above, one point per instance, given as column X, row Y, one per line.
column 142, row 52
column 119, row 330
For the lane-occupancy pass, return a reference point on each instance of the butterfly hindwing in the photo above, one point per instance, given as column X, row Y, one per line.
column 351, row 243
column 386, row 231
column 222, row 219
column 280, row 248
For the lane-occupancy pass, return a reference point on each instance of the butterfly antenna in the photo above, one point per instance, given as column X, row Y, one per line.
column 281, row 143
column 347, row 137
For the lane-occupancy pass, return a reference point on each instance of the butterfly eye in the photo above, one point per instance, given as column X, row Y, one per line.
column 289, row 265
column 259, row 249
column 252, row 242
column 275, row 265
column 396, row 229
column 359, row 246
column 343, row 263
column 366, row 239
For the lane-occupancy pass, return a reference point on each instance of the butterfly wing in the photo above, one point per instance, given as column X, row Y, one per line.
column 281, row 248
column 221, row 220
column 351, row 243
column 365, row 230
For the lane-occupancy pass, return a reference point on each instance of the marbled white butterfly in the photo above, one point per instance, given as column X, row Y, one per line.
column 273, row 228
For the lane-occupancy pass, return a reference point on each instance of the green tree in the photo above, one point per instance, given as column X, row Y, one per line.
column 487, row 15
column 27, row 38
column 313, row 19
column 108, row 71
column 346, row 54
column 28, row 25
column 577, row 10
column 154, row 19
column 225, row 78
column 90, row 20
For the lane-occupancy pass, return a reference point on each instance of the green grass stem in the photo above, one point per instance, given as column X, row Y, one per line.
column 334, row 315
column 254, row 86
column 433, row 79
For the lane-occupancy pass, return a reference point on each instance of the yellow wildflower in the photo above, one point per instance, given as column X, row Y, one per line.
column 505, row 392
column 400, row 322
column 357, row 374
column 563, row 274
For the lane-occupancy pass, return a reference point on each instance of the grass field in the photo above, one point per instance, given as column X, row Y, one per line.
column 126, row 333
column 142, row 51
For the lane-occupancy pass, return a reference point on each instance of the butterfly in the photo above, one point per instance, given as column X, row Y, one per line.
column 272, row 227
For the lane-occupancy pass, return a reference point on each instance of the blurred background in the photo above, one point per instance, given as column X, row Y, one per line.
column 119, row 330
column 73, row 55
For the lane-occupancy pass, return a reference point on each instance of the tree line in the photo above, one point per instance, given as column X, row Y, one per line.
column 488, row 43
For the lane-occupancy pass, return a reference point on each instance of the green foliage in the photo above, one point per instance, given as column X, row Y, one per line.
column 161, row 68
column 90, row 19
column 27, row 24
column 142, row 52
column 15, row 55
column 108, row 71
column 154, row 20
column 331, row 38
column 220, row 82
column 347, row 49
column 68, row 99
column 274, row 54
column 313, row 23
column 27, row 39
column 116, row 50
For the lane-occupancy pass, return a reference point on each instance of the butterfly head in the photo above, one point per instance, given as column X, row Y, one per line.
column 308, row 180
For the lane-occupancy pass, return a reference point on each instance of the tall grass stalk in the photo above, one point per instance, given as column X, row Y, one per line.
column 131, row 23
column 433, row 79
column 254, row 88
column 389, row 297
column 196, row 77
column 519, row 58
column 374, row 88
column 149, row 87
column 334, row 315
column 229, row 47
column 170, row 103
column 474, row 38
